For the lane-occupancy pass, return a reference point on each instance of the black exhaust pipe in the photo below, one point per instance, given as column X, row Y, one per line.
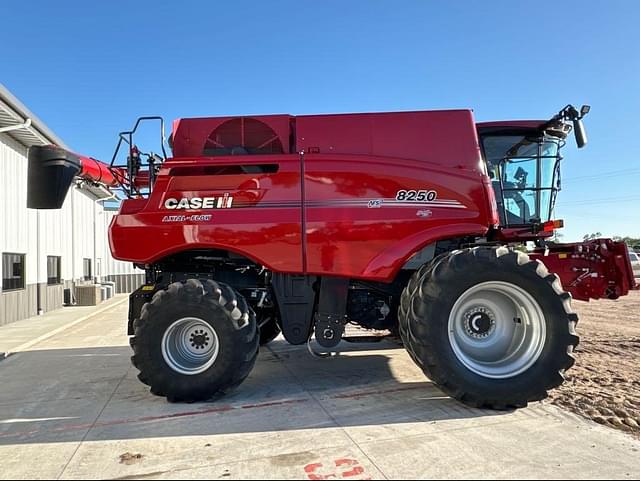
column 51, row 173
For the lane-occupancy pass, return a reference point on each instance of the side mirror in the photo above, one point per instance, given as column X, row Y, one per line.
column 585, row 110
column 569, row 113
column 580, row 133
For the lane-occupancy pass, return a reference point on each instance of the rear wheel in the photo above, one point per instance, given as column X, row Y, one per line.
column 195, row 340
column 490, row 326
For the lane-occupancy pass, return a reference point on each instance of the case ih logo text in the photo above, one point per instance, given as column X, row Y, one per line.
column 197, row 203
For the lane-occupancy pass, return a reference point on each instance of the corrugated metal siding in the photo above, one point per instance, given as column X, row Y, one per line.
column 17, row 221
column 112, row 266
column 55, row 239
column 52, row 297
column 126, row 283
column 16, row 305
column 83, row 218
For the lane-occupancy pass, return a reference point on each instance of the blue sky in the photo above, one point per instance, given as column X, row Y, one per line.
column 88, row 69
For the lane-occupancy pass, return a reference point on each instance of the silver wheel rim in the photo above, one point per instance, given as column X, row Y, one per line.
column 190, row 346
column 497, row 330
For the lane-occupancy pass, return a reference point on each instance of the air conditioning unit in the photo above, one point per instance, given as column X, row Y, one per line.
column 88, row 295
column 69, row 299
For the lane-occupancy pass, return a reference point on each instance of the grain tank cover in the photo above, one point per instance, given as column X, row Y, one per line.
column 447, row 137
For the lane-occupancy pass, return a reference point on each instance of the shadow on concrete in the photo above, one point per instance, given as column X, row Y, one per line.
column 67, row 395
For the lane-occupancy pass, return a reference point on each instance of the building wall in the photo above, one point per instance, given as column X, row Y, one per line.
column 77, row 231
column 16, row 223
column 126, row 277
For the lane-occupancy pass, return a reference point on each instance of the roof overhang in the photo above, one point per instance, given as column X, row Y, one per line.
column 29, row 130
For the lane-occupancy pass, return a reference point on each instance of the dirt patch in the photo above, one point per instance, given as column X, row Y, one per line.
column 130, row 458
column 292, row 459
column 604, row 385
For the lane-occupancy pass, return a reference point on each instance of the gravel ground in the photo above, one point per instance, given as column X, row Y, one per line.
column 604, row 385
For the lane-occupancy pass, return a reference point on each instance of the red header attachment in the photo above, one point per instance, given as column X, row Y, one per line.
column 590, row 270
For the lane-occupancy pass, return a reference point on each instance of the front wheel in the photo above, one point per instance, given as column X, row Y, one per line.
column 490, row 326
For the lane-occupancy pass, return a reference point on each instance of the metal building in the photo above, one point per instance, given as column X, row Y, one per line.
column 45, row 252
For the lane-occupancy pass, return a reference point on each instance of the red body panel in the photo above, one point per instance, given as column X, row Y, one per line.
column 267, row 229
column 346, row 237
column 343, row 220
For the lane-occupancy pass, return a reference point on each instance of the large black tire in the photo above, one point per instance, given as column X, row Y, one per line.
column 429, row 299
column 222, row 308
column 409, row 290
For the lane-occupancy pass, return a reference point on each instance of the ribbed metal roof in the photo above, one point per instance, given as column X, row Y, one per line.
column 13, row 112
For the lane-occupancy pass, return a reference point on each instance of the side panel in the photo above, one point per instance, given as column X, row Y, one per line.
column 263, row 221
column 363, row 222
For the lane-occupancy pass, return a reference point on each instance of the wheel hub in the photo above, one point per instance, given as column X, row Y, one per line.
column 199, row 339
column 190, row 346
column 479, row 323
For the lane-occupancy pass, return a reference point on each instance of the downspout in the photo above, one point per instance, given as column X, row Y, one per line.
column 38, row 262
column 95, row 243
column 73, row 244
column 112, row 195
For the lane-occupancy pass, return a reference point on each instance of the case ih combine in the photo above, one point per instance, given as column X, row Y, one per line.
column 406, row 222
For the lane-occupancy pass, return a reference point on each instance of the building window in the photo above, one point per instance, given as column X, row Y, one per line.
column 54, row 264
column 86, row 269
column 13, row 272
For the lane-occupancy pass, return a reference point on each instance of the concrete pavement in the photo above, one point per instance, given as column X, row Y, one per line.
column 71, row 407
column 21, row 335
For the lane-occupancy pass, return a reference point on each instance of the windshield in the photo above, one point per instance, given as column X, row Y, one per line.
column 525, row 175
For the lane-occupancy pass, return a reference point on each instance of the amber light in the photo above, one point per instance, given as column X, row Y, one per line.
column 552, row 225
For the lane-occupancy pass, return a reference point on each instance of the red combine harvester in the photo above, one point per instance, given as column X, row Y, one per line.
column 407, row 222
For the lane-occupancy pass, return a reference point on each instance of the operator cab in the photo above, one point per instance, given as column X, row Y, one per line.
column 525, row 174
column 523, row 162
